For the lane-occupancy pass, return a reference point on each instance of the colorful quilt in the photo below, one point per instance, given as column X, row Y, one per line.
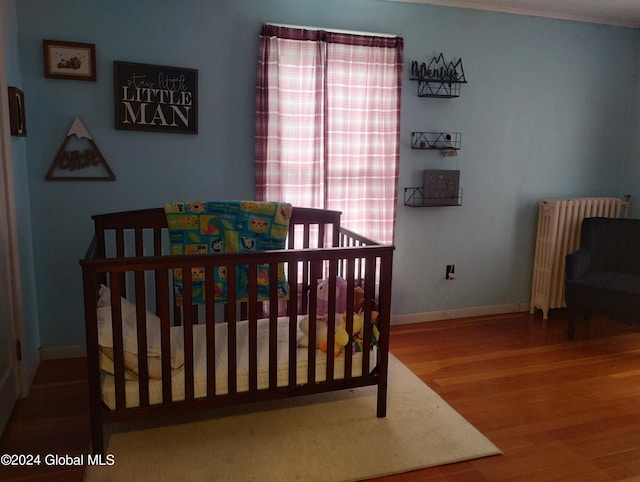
column 228, row 227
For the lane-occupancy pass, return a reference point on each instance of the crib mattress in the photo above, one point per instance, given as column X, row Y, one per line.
column 242, row 364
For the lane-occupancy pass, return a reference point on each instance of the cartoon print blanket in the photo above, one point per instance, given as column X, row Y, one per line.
column 228, row 227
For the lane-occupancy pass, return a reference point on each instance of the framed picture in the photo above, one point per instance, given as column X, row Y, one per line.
column 17, row 119
column 69, row 60
column 155, row 98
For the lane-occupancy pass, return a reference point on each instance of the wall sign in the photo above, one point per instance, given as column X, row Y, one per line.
column 79, row 158
column 438, row 70
column 442, row 187
column 155, row 98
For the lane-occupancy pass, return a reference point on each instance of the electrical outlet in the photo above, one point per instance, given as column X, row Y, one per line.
column 451, row 272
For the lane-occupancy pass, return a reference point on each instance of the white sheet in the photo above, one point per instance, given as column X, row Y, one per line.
column 129, row 329
column 199, row 344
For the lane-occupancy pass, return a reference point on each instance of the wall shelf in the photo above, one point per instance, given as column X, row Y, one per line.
column 442, row 141
column 438, row 88
column 415, row 197
column 440, row 188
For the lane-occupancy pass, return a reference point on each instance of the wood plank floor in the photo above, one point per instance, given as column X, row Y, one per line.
column 559, row 410
column 53, row 419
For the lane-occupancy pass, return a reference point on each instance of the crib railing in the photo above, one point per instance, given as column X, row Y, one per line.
column 144, row 232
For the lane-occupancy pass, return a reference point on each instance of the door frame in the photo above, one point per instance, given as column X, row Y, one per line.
column 13, row 296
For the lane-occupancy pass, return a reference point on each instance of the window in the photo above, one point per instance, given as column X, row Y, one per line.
column 328, row 124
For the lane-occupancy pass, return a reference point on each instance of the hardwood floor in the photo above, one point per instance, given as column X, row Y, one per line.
column 559, row 410
column 53, row 419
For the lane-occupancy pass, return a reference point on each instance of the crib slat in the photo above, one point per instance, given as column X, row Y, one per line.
column 141, row 319
column 187, row 327
column 118, row 355
column 157, row 242
column 120, row 253
column 157, row 251
column 253, row 328
column 348, row 356
column 119, row 242
column 273, row 325
column 306, row 236
column 162, row 298
column 293, row 322
column 316, row 273
column 331, row 320
column 231, row 327
column 139, row 241
column 210, row 314
column 369, row 265
column 321, row 228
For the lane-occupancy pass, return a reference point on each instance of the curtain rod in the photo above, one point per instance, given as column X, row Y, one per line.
column 333, row 30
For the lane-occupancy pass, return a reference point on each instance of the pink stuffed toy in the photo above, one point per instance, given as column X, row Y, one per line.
column 322, row 306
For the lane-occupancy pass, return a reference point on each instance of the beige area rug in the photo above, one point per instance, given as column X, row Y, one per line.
column 328, row 437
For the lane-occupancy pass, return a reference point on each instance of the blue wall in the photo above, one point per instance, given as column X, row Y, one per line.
column 543, row 102
column 630, row 156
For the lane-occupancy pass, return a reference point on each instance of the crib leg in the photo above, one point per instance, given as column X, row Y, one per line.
column 382, row 400
column 97, row 437
column 383, row 368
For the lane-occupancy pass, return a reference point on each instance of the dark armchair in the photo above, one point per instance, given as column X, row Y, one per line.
column 604, row 274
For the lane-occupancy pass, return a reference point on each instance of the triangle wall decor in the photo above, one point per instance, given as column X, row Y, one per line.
column 79, row 158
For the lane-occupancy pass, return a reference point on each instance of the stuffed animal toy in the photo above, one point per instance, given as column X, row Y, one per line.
column 358, row 342
column 358, row 301
column 321, row 330
column 322, row 305
column 303, row 326
column 342, row 338
column 322, row 310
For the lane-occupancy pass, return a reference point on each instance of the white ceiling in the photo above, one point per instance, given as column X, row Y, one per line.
column 613, row 12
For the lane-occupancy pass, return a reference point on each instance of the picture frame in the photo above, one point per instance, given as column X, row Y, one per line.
column 17, row 116
column 69, row 60
column 155, row 98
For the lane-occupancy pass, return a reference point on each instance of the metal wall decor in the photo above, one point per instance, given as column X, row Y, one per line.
column 438, row 78
column 443, row 141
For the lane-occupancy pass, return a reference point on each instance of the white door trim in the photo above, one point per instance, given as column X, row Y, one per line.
column 8, row 192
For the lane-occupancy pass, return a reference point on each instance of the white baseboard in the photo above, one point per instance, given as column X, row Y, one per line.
column 28, row 372
column 55, row 353
column 460, row 313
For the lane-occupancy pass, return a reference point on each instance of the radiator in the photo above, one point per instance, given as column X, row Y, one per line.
column 559, row 226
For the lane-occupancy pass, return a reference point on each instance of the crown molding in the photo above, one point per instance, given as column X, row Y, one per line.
column 561, row 11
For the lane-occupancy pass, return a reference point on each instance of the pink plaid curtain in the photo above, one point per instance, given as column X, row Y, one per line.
column 328, row 124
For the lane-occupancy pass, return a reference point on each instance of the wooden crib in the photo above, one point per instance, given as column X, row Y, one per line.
column 168, row 357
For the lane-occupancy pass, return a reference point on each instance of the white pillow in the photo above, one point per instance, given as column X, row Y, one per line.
column 106, row 364
column 129, row 330
column 154, row 364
